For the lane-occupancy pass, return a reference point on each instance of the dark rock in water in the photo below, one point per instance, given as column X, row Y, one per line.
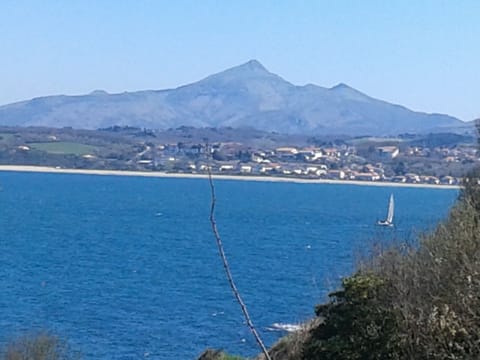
column 212, row 354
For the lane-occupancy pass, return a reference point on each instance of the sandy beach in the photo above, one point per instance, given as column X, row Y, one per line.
column 45, row 169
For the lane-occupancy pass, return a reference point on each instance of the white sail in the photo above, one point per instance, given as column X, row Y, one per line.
column 391, row 206
column 389, row 220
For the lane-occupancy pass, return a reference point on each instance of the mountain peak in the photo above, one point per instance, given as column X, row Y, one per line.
column 341, row 86
column 252, row 69
column 253, row 65
column 346, row 91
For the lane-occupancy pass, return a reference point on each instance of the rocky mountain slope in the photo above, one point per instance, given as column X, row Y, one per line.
column 244, row 96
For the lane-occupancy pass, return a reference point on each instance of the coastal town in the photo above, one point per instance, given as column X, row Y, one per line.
column 384, row 163
column 440, row 159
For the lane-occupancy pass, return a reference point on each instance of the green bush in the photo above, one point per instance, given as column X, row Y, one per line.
column 355, row 324
column 39, row 346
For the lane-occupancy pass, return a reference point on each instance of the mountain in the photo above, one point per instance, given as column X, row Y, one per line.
column 243, row 96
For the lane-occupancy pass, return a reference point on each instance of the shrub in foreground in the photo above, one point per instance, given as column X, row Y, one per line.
column 420, row 302
column 41, row 346
column 355, row 324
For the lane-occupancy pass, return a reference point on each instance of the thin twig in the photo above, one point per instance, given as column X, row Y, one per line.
column 227, row 268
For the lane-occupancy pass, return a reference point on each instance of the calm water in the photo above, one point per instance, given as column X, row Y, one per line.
column 127, row 268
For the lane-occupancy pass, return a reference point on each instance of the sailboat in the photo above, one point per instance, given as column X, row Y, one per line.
column 389, row 220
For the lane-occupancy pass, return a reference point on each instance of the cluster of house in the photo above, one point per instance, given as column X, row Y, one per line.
column 334, row 162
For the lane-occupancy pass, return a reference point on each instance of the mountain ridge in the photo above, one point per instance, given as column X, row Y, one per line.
column 245, row 95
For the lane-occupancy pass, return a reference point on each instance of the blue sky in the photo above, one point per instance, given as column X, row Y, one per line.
column 423, row 54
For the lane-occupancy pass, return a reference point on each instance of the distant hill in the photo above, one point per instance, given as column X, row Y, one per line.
column 243, row 96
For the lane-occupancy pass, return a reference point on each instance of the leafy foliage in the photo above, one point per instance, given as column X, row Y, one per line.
column 411, row 302
column 41, row 346
column 356, row 325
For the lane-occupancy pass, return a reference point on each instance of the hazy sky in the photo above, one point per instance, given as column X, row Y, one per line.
column 418, row 53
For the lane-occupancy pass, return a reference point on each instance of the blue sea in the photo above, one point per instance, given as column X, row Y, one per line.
column 127, row 267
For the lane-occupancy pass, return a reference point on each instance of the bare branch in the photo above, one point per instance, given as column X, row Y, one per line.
column 227, row 268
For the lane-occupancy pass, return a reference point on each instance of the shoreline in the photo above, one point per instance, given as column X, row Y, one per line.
column 158, row 174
